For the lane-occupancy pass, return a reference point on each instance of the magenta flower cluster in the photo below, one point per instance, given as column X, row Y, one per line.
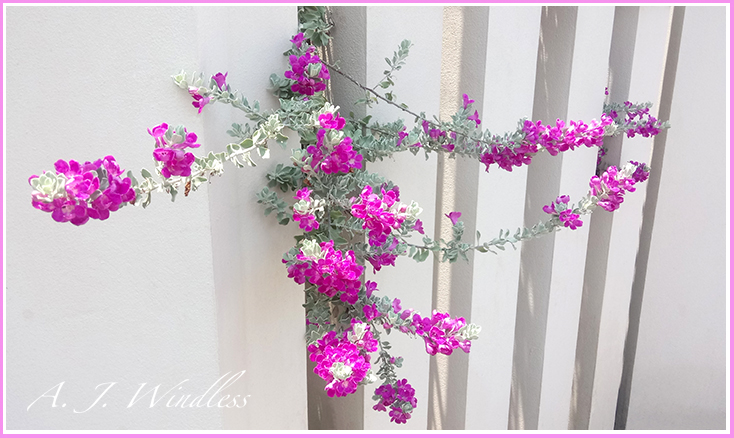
column 565, row 215
column 176, row 161
column 340, row 158
column 439, row 136
column 554, row 139
column 200, row 101
column 309, row 81
column 306, row 219
column 382, row 259
column 379, row 217
column 86, row 196
column 650, row 126
column 397, row 397
column 439, row 332
column 342, row 360
column 334, row 273
column 474, row 117
column 612, row 185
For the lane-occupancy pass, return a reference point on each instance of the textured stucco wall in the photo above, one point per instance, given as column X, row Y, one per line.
column 137, row 298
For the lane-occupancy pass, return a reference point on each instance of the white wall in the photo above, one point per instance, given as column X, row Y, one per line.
column 143, row 296
column 679, row 378
column 195, row 289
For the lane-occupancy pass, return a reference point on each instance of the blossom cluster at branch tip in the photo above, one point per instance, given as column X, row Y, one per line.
column 308, row 72
column 170, row 151
column 331, row 271
column 443, row 334
column 560, row 209
column 77, row 192
column 609, row 189
column 399, row 397
column 202, row 95
column 343, row 360
column 637, row 120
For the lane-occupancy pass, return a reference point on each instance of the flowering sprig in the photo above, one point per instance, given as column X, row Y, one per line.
column 216, row 90
column 77, row 192
column 513, row 149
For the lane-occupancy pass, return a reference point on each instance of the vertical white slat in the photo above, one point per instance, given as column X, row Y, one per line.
column 679, row 378
column 586, row 95
column 645, row 83
column 512, row 46
column 463, row 54
column 417, row 85
column 620, row 69
column 251, row 284
column 552, row 87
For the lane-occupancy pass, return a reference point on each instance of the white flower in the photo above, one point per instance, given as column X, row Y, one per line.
column 312, row 250
column 340, row 371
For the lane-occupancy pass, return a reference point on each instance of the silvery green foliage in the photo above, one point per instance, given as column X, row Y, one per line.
column 50, row 184
column 396, row 63
column 314, row 24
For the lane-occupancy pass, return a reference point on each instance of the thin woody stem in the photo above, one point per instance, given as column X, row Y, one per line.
column 379, row 96
column 354, row 81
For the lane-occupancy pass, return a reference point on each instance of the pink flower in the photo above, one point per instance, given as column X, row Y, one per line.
column 467, row 101
column 475, row 117
column 329, row 121
column 418, row 226
column 220, row 79
column 380, row 260
column 401, row 136
column 370, row 312
column 298, row 40
column 158, row 132
column 370, row 287
column 454, row 216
